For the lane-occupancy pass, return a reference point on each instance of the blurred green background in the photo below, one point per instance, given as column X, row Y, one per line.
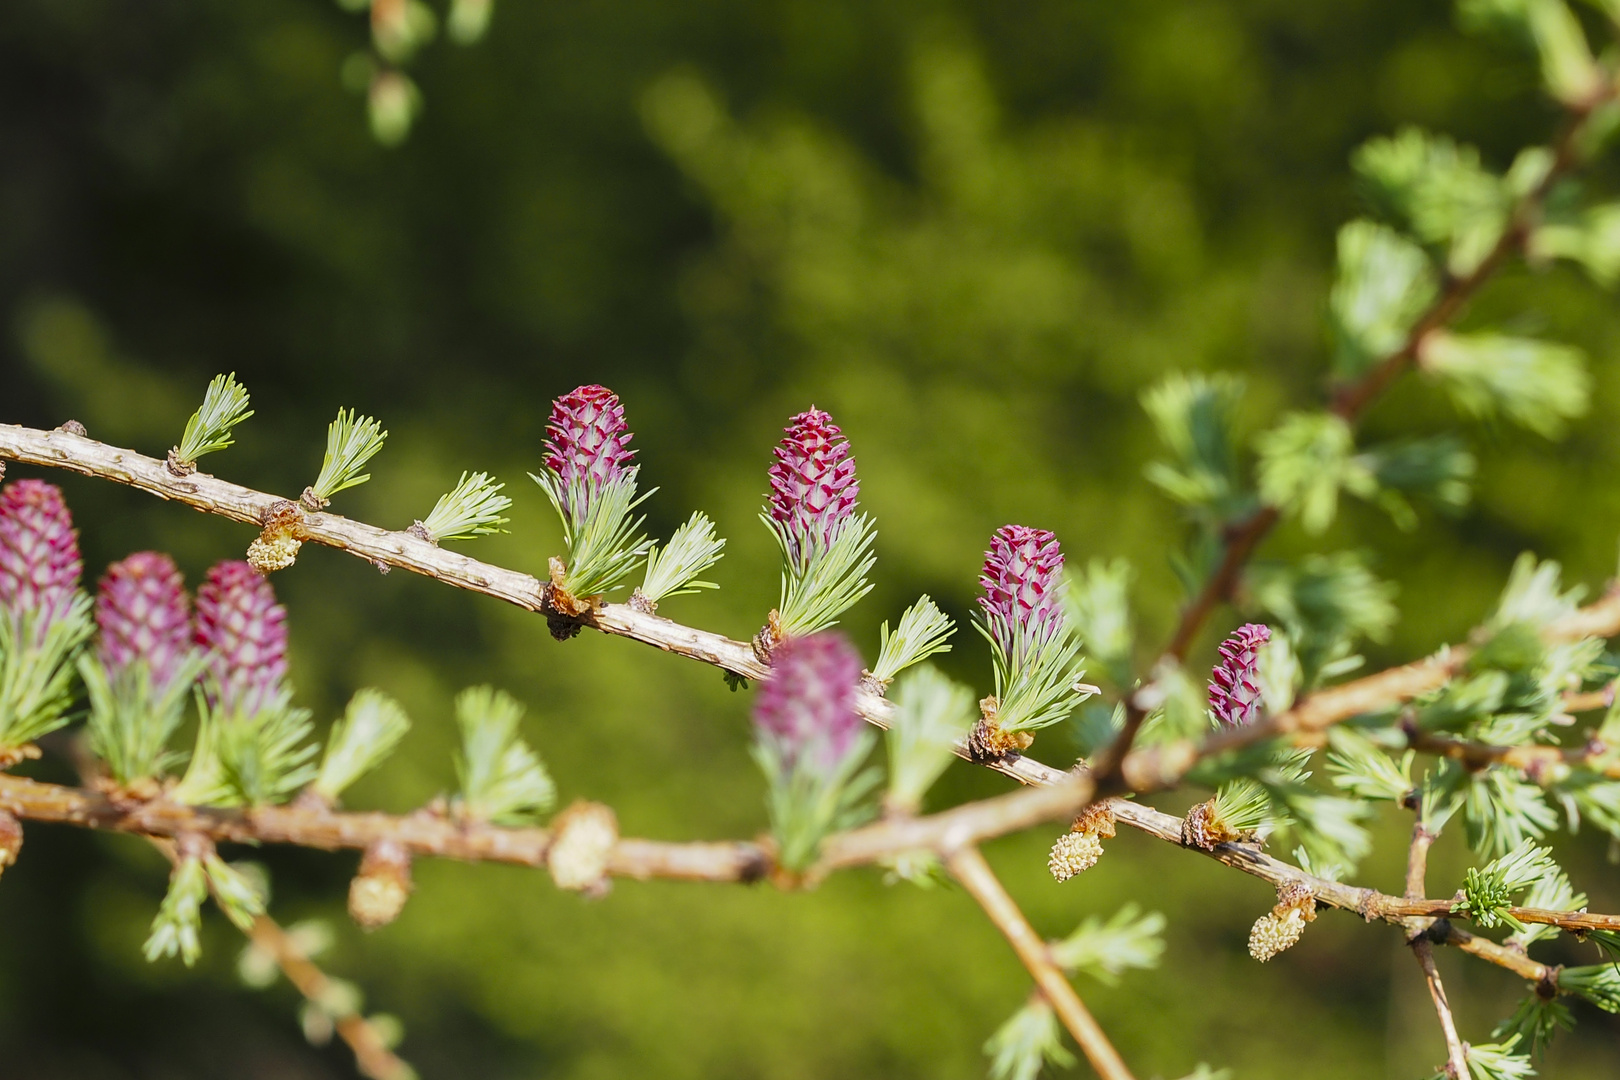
column 973, row 231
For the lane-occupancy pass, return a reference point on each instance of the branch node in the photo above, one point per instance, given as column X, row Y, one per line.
column 769, row 637
column 988, row 743
column 1197, row 829
column 582, row 841
column 177, row 467
column 378, row 892
column 563, row 610
column 11, row 838
column 1547, row 986
column 873, row 685
column 276, row 548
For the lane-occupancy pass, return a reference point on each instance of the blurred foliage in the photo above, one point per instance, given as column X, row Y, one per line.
column 977, row 233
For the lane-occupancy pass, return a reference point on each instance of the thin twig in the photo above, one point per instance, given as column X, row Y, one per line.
column 1445, row 932
column 371, row 1053
column 1368, row 903
column 1417, row 863
column 1456, row 1057
column 975, row 875
column 1241, row 540
column 1534, row 761
column 1579, row 701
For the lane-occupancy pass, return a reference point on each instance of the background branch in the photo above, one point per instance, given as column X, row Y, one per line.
column 967, row 865
column 371, row 1054
column 372, row 1057
column 1241, row 539
column 1157, row 767
column 1456, row 1057
column 1417, row 863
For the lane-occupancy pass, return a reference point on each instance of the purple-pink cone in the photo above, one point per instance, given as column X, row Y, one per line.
column 143, row 613
column 587, row 443
column 39, row 553
column 806, row 706
column 1234, row 690
column 813, row 485
column 1023, row 572
column 245, row 633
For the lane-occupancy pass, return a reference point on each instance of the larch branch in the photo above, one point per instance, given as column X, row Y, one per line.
column 371, row 1053
column 401, row 549
column 372, row 1056
column 420, row 833
column 1242, row 538
column 1456, row 1056
column 1417, row 863
column 967, row 865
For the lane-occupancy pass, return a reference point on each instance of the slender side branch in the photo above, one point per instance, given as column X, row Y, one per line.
column 1368, row 903
column 371, row 1053
column 1532, row 760
column 1417, row 864
column 1241, row 540
column 1445, row 932
column 1456, row 1057
column 967, row 865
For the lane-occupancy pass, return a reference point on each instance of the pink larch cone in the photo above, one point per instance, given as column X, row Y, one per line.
column 40, row 565
column 245, row 633
column 1234, row 688
column 806, row 707
column 588, row 443
column 1023, row 572
column 143, row 613
column 813, row 485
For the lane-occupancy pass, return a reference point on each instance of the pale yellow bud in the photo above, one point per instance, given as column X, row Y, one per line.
column 378, row 892
column 1074, row 852
column 1285, row 924
column 1274, row 933
column 582, row 841
column 273, row 550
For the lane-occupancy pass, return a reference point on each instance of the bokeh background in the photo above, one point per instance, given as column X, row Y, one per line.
column 974, row 231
